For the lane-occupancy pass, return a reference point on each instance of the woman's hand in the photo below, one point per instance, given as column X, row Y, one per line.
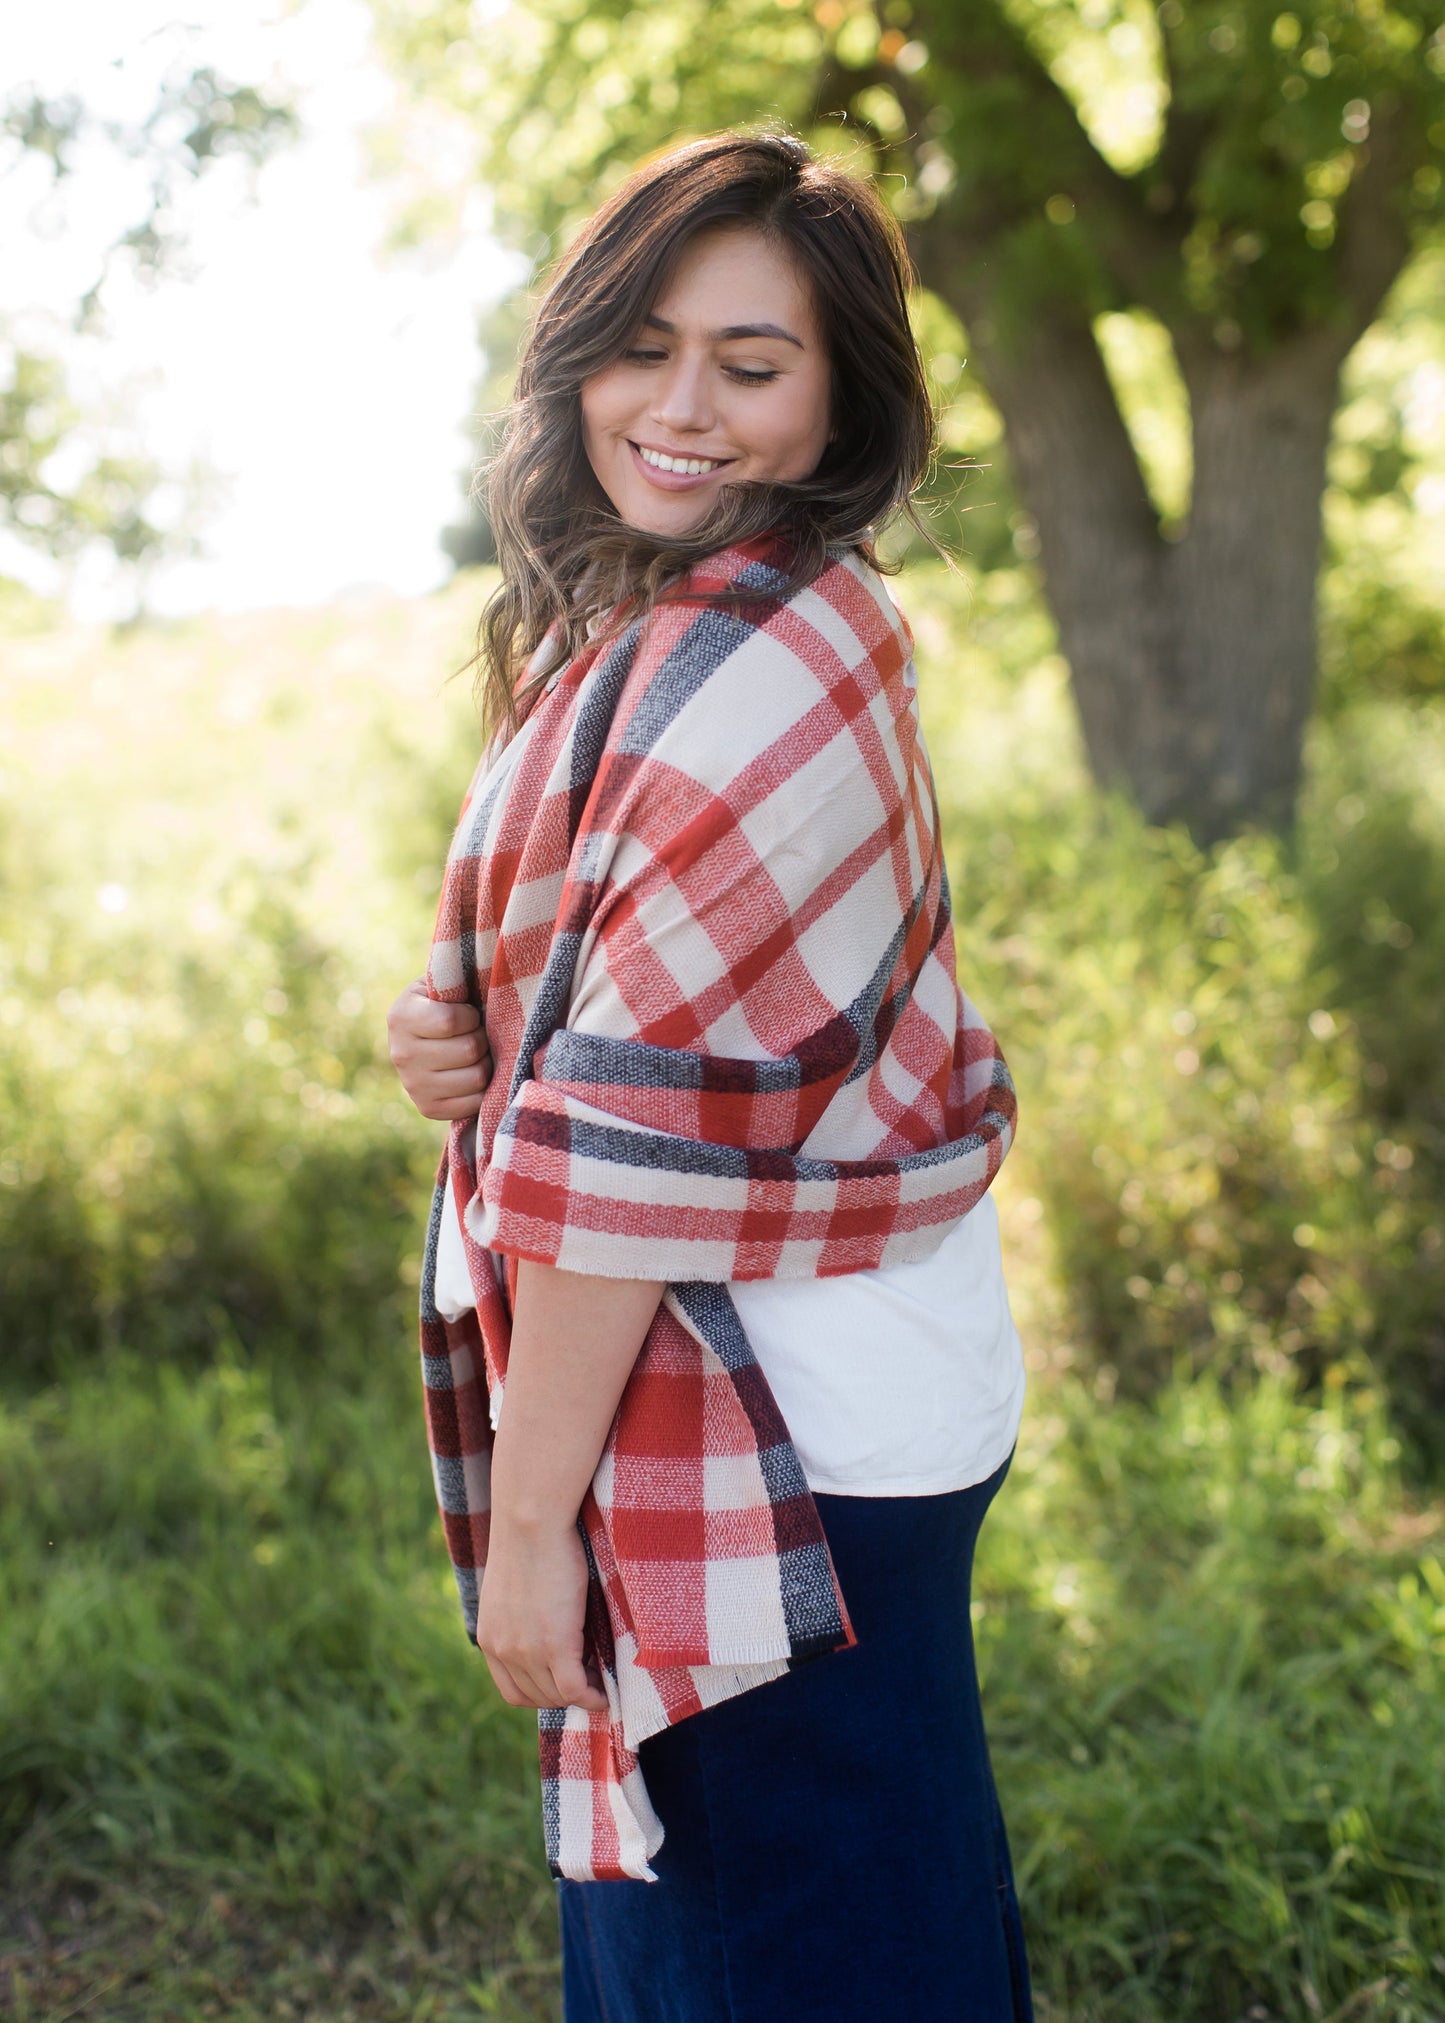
column 440, row 1052
column 529, row 1623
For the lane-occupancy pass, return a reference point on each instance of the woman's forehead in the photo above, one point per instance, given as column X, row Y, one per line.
column 737, row 276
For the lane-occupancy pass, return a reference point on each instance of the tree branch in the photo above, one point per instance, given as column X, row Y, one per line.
column 1181, row 148
column 1372, row 234
column 1032, row 145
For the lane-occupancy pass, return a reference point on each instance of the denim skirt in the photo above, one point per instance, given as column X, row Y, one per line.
column 835, row 1849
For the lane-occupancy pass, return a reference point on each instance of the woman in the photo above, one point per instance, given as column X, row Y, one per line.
column 719, row 1367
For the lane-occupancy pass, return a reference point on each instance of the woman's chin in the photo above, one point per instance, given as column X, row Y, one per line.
column 679, row 519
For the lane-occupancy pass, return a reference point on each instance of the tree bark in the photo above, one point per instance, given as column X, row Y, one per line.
column 1239, row 588
column 1100, row 549
column 1193, row 660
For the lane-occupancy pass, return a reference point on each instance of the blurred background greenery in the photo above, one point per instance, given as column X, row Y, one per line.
column 248, row 1767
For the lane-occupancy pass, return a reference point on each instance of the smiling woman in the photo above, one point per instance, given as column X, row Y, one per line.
column 720, row 1370
column 735, row 305
column 728, row 381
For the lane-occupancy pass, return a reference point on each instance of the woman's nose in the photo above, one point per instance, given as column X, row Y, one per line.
column 682, row 399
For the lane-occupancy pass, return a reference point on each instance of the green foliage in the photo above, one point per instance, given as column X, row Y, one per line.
column 1383, row 586
column 1213, row 1673
column 1238, row 1151
column 246, row 1757
column 64, row 482
column 589, row 90
column 231, row 1661
column 199, row 1117
column 1221, row 142
column 1196, row 160
column 1283, row 103
column 217, row 1545
column 106, row 500
column 197, row 117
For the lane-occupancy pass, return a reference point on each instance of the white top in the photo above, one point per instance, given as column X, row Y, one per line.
column 905, row 1381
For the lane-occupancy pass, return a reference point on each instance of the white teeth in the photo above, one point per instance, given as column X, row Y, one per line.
column 693, row 466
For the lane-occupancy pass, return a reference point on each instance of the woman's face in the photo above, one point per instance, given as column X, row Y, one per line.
column 728, row 379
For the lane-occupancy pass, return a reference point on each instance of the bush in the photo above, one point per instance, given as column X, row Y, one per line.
column 200, row 1135
column 1230, row 1091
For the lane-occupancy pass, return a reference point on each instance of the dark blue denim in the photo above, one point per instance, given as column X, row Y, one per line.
column 834, row 1848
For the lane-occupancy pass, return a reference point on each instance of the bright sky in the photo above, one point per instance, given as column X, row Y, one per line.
column 327, row 381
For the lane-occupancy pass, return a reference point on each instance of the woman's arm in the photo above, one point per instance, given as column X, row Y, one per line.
column 574, row 1342
column 575, row 1338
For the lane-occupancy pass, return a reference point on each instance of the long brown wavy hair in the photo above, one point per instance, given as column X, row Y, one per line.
column 564, row 552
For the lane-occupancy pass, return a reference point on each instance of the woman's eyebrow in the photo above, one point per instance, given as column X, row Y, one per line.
column 732, row 330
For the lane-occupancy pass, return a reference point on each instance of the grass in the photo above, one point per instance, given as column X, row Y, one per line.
column 242, row 1731
column 248, row 1765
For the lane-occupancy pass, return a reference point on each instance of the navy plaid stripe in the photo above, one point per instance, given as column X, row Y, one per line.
column 451, row 1481
column 614, row 1145
column 429, row 1315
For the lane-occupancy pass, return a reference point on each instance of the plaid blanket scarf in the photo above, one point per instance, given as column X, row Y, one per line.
column 707, row 919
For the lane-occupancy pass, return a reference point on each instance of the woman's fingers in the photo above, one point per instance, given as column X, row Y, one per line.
column 440, row 1053
column 505, row 1684
column 446, row 1050
column 423, row 1076
column 532, row 1680
column 448, row 1113
column 469, row 1081
column 428, row 1017
column 471, row 1051
column 416, row 1019
column 457, row 1094
column 457, row 1080
column 430, row 1020
column 518, row 1684
column 543, row 1678
column 570, row 1681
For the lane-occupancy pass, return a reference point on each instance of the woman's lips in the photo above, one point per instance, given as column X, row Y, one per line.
column 675, row 481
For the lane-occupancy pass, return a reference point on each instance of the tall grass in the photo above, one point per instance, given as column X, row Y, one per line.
column 1214, row 1645
column 249, row 1767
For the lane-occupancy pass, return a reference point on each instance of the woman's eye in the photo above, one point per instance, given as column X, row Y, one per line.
column 743, row 375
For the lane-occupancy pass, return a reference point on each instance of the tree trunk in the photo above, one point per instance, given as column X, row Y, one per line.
column 1078, row 476
column 1192, row 661
column 1240, row 585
